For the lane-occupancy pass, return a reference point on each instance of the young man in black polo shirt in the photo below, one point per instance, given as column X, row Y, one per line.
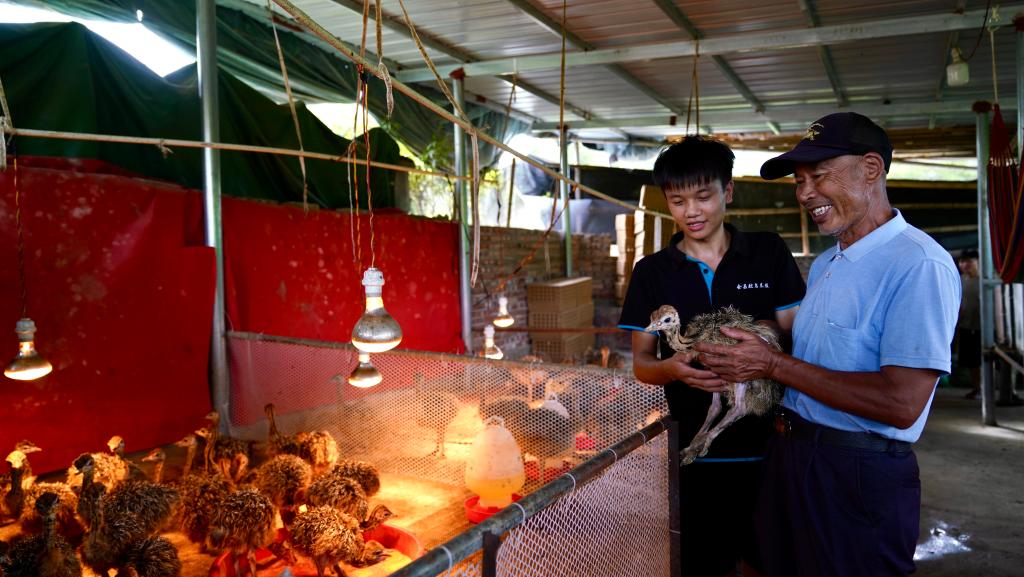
column 707, row 266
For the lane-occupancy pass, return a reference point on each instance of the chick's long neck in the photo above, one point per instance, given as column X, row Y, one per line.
column 678, row 343
column 190, row 454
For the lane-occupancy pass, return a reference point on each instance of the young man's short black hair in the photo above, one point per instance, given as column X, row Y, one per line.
column 694, row 160
column 968, row 254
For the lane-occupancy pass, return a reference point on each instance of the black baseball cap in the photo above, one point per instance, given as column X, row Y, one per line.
column 831, row 136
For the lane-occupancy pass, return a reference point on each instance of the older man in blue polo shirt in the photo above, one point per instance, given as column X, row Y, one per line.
column 842, row 494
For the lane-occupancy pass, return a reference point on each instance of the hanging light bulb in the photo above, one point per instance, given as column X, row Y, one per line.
column 365, row 374
column 957, row 73
column 503, row 319
column 491, row 350
column 28, row 365
column 376, row 331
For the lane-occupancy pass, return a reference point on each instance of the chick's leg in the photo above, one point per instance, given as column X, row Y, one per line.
column 698, row 446
column 250, row 555
column 738, row 410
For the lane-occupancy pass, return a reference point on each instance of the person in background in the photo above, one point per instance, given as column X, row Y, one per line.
column 969, row 322
column 706, row 266
column 842, row 490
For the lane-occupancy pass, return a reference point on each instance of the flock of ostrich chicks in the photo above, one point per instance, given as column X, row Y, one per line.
column 109, row 514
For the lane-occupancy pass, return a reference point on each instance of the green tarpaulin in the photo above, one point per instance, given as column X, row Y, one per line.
column 63, row 77
column 246, row 49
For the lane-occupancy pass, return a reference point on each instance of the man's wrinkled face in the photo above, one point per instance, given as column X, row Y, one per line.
column 837, row 197
column 699, row 209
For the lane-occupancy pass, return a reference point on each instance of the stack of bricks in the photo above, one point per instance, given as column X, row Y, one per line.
column 626, row 243
column 640, row 234
column 565, row 303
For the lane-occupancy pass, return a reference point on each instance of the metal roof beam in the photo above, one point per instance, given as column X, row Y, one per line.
column 825, row 54
column 746, row 42
column 790, row 113
column 670, row 9
column 398, row 25
column 555, row 27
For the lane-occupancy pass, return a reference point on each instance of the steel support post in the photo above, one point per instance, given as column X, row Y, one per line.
column 986, row 293
column 462, row 193
column 206, row 57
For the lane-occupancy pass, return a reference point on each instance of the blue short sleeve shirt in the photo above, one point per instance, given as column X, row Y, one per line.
column 891, row 298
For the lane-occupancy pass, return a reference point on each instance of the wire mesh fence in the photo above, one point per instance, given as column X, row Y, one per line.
column 419, row 423
column 617, row 524
column 421, row 420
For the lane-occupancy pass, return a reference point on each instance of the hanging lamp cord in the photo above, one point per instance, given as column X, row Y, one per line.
column 21, row 237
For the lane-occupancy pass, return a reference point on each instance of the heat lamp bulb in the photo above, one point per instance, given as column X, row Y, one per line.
column 491, row 350
column 503, row 319
column 376, row 331
column 28, row 365
column 365, row 374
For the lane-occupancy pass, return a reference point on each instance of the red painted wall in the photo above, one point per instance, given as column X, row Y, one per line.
column 121, row 291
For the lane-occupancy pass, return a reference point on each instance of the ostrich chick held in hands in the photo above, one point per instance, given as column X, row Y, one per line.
column 754, row 397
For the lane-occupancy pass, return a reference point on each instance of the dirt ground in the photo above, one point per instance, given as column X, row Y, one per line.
column 972, row 514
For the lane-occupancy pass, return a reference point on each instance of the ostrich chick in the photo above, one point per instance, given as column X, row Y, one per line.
column 329, row 537
column 364, row 473
column 436, row 410
column 341, row 493
column 318, row 448
column 46, row 555
column 157, row 457
column 284, row 479
column 201, row 495
column 108, row 468
column 19, row 479
column 243, row 523
column 757, row 397
column 153, row 556
column 23, row 498
column 230, row 456
column 109, row 538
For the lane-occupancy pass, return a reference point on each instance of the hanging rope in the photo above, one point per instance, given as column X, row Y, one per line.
column 561, row 88
column 5, row 123
column 382, row 68
column 471, row 130
column 694, row 90
column 511, row 192
column 995, row 77
column 369, row 189
column 542, row 241
column 291, row 105
column 308, row 23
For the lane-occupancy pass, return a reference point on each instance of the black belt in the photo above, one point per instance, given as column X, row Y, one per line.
column 792, row 426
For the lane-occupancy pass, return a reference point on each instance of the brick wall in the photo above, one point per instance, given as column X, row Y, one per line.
column 501, row 251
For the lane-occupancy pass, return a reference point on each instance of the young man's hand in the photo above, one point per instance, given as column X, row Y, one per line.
column 680, row 366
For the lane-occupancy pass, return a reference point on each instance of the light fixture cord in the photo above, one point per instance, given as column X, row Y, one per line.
column 21, row 242
column 369, row 189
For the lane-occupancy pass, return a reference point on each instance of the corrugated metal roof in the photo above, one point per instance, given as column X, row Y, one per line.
column 792, row 83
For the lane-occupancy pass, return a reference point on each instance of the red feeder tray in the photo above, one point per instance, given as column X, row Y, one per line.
column 475, row 513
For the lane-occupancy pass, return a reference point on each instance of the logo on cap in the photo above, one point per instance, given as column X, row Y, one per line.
column 811, row 132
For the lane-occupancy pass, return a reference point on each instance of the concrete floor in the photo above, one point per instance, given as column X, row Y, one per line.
column 972, row 514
